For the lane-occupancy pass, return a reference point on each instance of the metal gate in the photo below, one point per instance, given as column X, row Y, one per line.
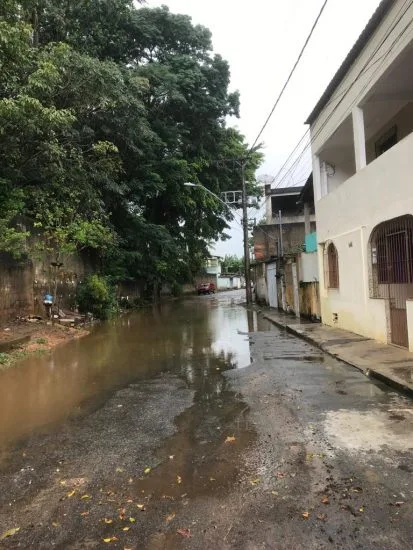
column 272, row 285
column 392, row 259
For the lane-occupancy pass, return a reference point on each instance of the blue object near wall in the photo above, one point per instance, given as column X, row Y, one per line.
column 311, row 242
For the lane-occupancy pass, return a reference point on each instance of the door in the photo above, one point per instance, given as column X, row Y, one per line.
column 272, row 285
column 399, row 276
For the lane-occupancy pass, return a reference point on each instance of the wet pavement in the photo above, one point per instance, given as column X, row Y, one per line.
column 198, row 424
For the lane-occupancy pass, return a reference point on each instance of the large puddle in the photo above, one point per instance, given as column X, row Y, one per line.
column 195, row 338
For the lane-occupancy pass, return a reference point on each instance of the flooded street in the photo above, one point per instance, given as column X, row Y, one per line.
column 194, row 339
column 197, row 424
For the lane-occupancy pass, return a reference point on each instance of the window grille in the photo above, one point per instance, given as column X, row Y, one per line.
column 332, row 274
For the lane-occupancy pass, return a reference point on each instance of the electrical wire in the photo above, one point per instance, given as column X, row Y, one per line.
column 364, row 69
column 289, row 77
column 342, row 95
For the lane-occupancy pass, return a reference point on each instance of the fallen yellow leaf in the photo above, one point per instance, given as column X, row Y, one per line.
column 274, row 493
column 71, row 493
column 9, row 533
column 170, row 517
column 140, row 506
column 179, row 479
column 110, row 539
column 84, row 514
column 84, row 497
column 255, row 481
column 125, row 528
column 55, row 524
column 361, row 509
column 108, row 521
column 146, row 470
column 132, row 520
column 230, row 439
column 63, row 483
column 306, row 515
column 119, row 470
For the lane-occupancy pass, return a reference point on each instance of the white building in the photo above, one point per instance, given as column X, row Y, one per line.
column 362, row 146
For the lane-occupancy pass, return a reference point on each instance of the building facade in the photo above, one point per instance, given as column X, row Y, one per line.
column 286, row 267
column 362, row 142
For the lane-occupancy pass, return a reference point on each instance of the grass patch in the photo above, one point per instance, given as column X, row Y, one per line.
column 41, row 341
column 4, row 358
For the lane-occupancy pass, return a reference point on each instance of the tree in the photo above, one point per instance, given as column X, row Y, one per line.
column 105, row 111
column 232, row 264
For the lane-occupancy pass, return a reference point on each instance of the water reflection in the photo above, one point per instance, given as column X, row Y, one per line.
column 196, row 339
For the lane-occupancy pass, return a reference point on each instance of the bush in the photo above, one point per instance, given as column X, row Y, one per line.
column 96, row 296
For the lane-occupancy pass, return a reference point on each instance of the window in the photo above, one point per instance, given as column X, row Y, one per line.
column 386, row 141
column 331, row 267
column 392, row 251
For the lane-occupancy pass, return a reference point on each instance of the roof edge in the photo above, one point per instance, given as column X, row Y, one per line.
column 374, row 22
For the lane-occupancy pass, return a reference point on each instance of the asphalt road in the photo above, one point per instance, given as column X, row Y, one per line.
column 207, row 428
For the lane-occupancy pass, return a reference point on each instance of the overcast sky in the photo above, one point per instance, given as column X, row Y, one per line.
column 261, row 40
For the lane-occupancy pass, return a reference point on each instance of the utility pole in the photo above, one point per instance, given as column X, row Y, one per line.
column 248, row 290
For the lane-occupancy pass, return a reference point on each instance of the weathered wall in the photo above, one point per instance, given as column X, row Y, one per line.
column 308, row 267
column 130, row 290
column 75, row 267
column 267, row 237
column 24, row 283
column 16, row 288
column 260, row 283
column 309, row 300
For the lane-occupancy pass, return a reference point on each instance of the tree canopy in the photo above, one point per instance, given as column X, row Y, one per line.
column 105, row 111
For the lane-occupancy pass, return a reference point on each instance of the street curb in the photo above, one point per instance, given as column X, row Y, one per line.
column 370, row 373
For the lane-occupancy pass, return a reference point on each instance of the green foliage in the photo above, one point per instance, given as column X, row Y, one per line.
column 105, row 111
column 96, row 296
column 232, row 264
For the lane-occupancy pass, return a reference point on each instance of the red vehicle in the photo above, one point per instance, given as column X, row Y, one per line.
column 206, row 288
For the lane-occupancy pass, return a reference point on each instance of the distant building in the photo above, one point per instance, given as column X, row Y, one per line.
column 285, row 273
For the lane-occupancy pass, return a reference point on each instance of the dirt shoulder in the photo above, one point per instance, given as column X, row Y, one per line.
column 21, row 338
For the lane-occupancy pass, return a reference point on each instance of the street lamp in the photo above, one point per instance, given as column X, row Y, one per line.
column 189, row 184
column 248, row 291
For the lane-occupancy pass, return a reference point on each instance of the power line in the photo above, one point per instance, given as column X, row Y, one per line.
column 363, row 70
column 289, row 76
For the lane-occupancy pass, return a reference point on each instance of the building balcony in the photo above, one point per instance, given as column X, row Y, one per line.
column 375, row 125
column 380, row 191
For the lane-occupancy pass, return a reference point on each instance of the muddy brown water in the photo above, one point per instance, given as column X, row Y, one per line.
column 196, row 338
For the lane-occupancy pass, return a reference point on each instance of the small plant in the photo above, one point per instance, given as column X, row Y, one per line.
column 41, row 341
column 4, row 358
column 96, row 296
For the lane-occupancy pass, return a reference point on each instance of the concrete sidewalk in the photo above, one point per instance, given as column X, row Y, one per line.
column 390, row 364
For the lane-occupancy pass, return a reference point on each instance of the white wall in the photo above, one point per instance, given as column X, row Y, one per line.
column 261, row 290
column 228, row 283
column 355, row 86
column 308, row 267
column 381, row 191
